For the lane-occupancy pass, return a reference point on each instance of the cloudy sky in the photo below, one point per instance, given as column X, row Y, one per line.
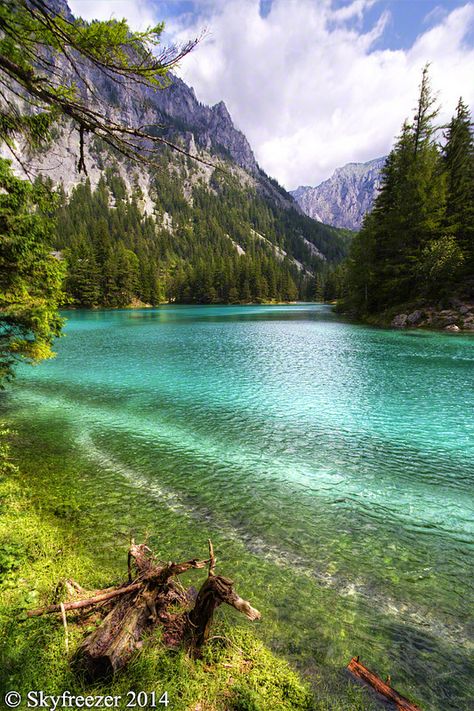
column 314, row 84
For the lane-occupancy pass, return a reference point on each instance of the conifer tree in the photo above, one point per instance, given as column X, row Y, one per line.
column 458, row 157
column 31, row 276
column 407, row 217
column 83, row 277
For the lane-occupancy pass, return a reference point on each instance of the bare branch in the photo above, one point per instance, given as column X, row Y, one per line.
column 212, row 559
column 129, row 65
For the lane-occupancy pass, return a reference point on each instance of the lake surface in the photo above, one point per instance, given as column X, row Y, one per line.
column 331, row 464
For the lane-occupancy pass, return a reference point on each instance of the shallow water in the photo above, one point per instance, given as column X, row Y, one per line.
column 332, row 464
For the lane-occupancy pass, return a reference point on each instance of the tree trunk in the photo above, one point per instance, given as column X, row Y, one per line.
column 111, row 645
column 139, row 605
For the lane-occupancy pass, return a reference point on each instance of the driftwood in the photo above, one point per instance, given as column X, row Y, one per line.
column 383, row 688
column 135, row 608
column 213, row 593
column 78, row 604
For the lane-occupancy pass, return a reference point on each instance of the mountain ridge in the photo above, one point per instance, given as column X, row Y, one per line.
column 211, row 230
column 343, row 199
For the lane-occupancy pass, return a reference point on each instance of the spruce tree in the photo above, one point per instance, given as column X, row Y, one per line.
column 82, row 283
column 458, row 157
column 407, row 217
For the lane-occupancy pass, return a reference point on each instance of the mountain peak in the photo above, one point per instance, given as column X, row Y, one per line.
column 221, row 109
column 358, row 169
column 343, row 199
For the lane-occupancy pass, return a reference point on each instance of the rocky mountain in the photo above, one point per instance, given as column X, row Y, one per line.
column 216, row 230
column 175, row 108
column 343, row 199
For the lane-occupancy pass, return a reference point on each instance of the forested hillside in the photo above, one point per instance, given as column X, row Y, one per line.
column 416, row 247
column 223, row 242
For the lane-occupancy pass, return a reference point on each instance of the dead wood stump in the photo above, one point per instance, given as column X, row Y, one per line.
column 214, row 591
column 134, row 609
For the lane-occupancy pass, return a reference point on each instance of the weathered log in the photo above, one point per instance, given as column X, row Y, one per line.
column 214, row 591
column 88, row 602
column 146, row 599
column 383, row 688
column 142, row 558
column 111, row 645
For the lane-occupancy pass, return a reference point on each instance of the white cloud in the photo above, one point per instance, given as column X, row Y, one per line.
column 139, row 14
column 308, row 86
column 310, row 89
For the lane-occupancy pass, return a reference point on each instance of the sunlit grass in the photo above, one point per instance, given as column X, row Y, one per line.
column 39, row 549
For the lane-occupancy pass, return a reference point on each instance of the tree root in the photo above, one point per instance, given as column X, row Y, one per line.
column 136, row 607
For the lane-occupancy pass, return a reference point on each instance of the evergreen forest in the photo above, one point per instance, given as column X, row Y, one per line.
column 226, row 244
column 416, row 247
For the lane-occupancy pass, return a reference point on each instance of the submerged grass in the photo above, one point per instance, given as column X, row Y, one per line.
column 39, row 549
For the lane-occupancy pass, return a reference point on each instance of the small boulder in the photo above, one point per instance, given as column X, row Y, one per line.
column 400, row 321
column 464, row 309
column 447, row 317
column 452, row 327
column 414, row 318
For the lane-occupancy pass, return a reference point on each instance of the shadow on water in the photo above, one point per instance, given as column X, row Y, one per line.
column 186, row 314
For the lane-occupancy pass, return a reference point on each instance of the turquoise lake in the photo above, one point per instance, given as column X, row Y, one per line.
column 332, row 465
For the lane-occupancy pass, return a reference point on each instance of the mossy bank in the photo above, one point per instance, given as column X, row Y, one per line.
column 38, row 549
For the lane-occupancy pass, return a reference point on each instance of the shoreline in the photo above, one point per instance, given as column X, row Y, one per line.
column 45, row 548
column 141, row 306
column 454, row 316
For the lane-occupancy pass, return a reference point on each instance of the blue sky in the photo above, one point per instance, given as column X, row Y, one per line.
column 315, row 84
column 408, row 18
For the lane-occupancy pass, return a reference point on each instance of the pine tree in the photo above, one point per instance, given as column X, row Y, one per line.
column 126, row 275
column 110, row 47
column 83, row 276
column 407, row 217
column 458, row 157
column 318, row 288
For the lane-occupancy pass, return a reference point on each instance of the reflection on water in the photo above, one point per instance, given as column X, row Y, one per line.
column 332, row 464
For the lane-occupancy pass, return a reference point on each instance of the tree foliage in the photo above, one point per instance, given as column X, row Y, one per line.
column 43, row 54
column 417, row 242
column 458, row 156
column 30, row 276
column 227, row 248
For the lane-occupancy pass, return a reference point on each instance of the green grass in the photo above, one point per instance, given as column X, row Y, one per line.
column 39, row 548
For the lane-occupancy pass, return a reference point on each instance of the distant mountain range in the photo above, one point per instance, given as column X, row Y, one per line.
column 343, row 199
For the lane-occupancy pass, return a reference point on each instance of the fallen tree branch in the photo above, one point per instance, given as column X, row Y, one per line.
column 79, row 604
column 383, row 688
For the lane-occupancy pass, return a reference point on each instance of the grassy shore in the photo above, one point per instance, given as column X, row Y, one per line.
column 38, row 550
